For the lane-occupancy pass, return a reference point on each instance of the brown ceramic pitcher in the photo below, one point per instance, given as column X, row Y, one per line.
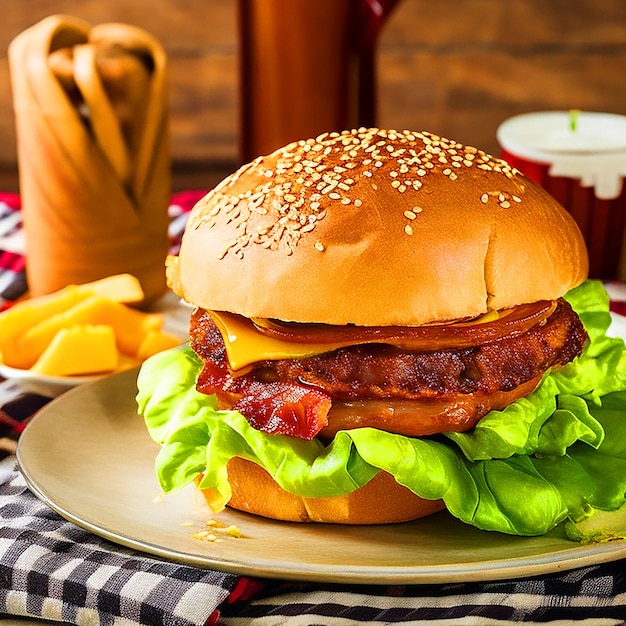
column 306, row 67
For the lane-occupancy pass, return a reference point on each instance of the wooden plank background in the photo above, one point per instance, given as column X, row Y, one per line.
column 455, row 68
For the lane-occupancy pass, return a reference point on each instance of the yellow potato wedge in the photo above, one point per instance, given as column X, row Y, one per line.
column 35, row 340
column 119, row 288
column 24, row 315
column 41, row 332
column 156, row 341
column 82, row 349
column 129, row 325
column 125, row 362
column 28, row 313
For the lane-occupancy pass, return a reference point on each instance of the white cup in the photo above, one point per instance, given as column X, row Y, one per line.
column 580, row 159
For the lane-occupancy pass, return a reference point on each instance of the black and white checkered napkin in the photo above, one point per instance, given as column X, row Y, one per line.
column 593, row 596
column 52, row 569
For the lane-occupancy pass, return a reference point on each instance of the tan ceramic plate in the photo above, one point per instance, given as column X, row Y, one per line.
column 88, row 456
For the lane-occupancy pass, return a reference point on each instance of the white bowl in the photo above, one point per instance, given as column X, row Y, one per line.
column 49, row 386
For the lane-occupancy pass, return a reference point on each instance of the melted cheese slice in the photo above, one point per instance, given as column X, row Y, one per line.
column 245, row 345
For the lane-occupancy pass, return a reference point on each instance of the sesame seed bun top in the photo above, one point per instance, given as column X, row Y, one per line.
column 376, row 227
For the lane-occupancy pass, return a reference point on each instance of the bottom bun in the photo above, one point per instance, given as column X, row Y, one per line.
column 380, row 501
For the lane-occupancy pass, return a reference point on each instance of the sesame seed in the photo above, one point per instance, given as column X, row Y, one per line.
column 410, row 215
column 484, row 198
column 319, row 246
column 408, row 229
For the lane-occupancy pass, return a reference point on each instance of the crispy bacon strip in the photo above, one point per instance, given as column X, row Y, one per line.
column 285, row 408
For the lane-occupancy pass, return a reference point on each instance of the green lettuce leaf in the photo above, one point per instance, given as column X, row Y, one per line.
column 558, row 454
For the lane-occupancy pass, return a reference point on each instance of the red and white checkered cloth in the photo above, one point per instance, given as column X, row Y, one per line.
column 12, row 260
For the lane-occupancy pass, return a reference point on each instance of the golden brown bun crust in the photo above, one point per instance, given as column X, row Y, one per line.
column 376, row 228
column 381, row 501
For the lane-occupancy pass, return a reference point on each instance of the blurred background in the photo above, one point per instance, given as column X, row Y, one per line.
column 455, row 68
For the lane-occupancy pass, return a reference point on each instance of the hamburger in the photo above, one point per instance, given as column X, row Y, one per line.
column 386, row 324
